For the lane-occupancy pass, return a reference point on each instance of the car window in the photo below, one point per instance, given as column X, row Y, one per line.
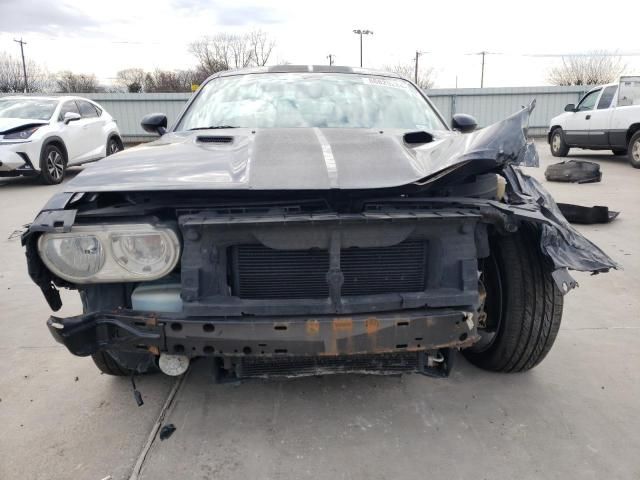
column 307, row 100
column 27, row 108
column 69, row 106
column 589, row 101
column 629, row 91
column 98, row 109
column 607, row 97
column 86, row 109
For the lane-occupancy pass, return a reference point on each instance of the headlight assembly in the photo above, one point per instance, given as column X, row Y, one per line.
column 21, row 134
column 110, row 253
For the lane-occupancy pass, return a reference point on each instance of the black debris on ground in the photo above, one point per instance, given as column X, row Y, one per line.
column 167, row 431
column 587, row 215
column 574, row 171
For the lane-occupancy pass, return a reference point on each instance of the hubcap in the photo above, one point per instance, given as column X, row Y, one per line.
column 55, row 165
column 635, row 150
column 555, row 142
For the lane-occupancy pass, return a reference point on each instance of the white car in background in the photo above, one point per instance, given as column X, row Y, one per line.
column 42, row 136
column 606, row 118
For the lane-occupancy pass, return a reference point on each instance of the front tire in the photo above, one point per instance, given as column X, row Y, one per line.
column 113, row 146
column 558, row 146
column 523, row 306
column 53, row 165
column 109, row 365
column 634, row 150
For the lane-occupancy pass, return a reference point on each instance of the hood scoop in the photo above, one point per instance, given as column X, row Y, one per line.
column 214, row 139
column 417, row 138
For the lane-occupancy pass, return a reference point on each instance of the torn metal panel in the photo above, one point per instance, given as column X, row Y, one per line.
column 587, row 215
column 566, row 247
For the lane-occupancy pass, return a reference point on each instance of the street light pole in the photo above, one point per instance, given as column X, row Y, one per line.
column 24, row 65
column 418, row 53
column 362, row 32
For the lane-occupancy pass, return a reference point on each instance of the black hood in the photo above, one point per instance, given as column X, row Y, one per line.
column 300, row 158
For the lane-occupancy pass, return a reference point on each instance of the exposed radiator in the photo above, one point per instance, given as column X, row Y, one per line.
column 258, row 272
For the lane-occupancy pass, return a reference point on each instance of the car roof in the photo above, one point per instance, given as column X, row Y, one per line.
column 305, row 69
column 59, row 98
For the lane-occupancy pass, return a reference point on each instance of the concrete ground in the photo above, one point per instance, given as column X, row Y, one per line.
column 574, row 416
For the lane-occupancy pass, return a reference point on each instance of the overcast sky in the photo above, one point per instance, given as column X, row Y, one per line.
column 103, row 37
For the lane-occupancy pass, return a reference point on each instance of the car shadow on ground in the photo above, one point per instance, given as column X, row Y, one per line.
column 21, row 182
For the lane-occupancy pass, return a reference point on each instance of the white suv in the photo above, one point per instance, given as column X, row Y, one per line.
column 607, row 118
column 41, row 136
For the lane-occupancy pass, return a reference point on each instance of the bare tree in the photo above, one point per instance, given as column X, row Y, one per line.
column 131, row 79
column 12, row 76
column 213, row 53
column 241, row 51
column 170, row 80
column 227, row 50
column 261, row 47
column 595, row 68
column 69, row 82
column 426, row 75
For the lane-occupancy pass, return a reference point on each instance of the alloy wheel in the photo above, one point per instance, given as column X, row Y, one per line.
column 55, row 165
column 113, row 147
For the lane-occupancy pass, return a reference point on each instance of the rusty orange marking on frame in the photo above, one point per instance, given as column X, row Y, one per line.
column 313, row 327
column 372, row 325
column 342, row 324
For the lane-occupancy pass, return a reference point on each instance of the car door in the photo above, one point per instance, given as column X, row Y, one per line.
column 92, row 125
column 599, row 123
column 576, row 127
column 72, row 133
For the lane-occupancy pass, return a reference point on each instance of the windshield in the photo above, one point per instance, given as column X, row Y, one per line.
column 290, row 100
column 27, row 108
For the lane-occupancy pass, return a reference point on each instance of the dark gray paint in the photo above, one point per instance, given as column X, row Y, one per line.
column 292, row 159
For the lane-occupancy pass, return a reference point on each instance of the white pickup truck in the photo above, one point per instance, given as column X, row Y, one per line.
column 607, row 118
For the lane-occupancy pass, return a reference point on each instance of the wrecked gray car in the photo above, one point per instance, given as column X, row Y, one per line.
column 311, row 220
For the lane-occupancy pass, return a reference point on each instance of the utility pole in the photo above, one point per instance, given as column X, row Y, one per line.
column 330, row 57
column 483, row 53
column 24, row 65
column 362, row 32
column 418, row 53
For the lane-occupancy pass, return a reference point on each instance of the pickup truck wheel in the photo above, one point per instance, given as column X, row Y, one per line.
column 634, row 150
column 523, row 306
column 558, row 147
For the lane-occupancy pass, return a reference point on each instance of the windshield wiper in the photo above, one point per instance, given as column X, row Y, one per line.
column 214, row 127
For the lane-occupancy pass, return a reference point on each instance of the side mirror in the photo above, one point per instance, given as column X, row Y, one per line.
column 463, row 123
column 71, row 117
column 154, row 123
column 570, row 108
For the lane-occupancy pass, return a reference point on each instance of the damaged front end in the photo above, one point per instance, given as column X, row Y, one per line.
column 386, row 278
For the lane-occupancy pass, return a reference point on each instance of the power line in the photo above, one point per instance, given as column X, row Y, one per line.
column 483, row 53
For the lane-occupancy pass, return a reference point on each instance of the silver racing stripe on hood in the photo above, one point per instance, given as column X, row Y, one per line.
column 329, row 159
